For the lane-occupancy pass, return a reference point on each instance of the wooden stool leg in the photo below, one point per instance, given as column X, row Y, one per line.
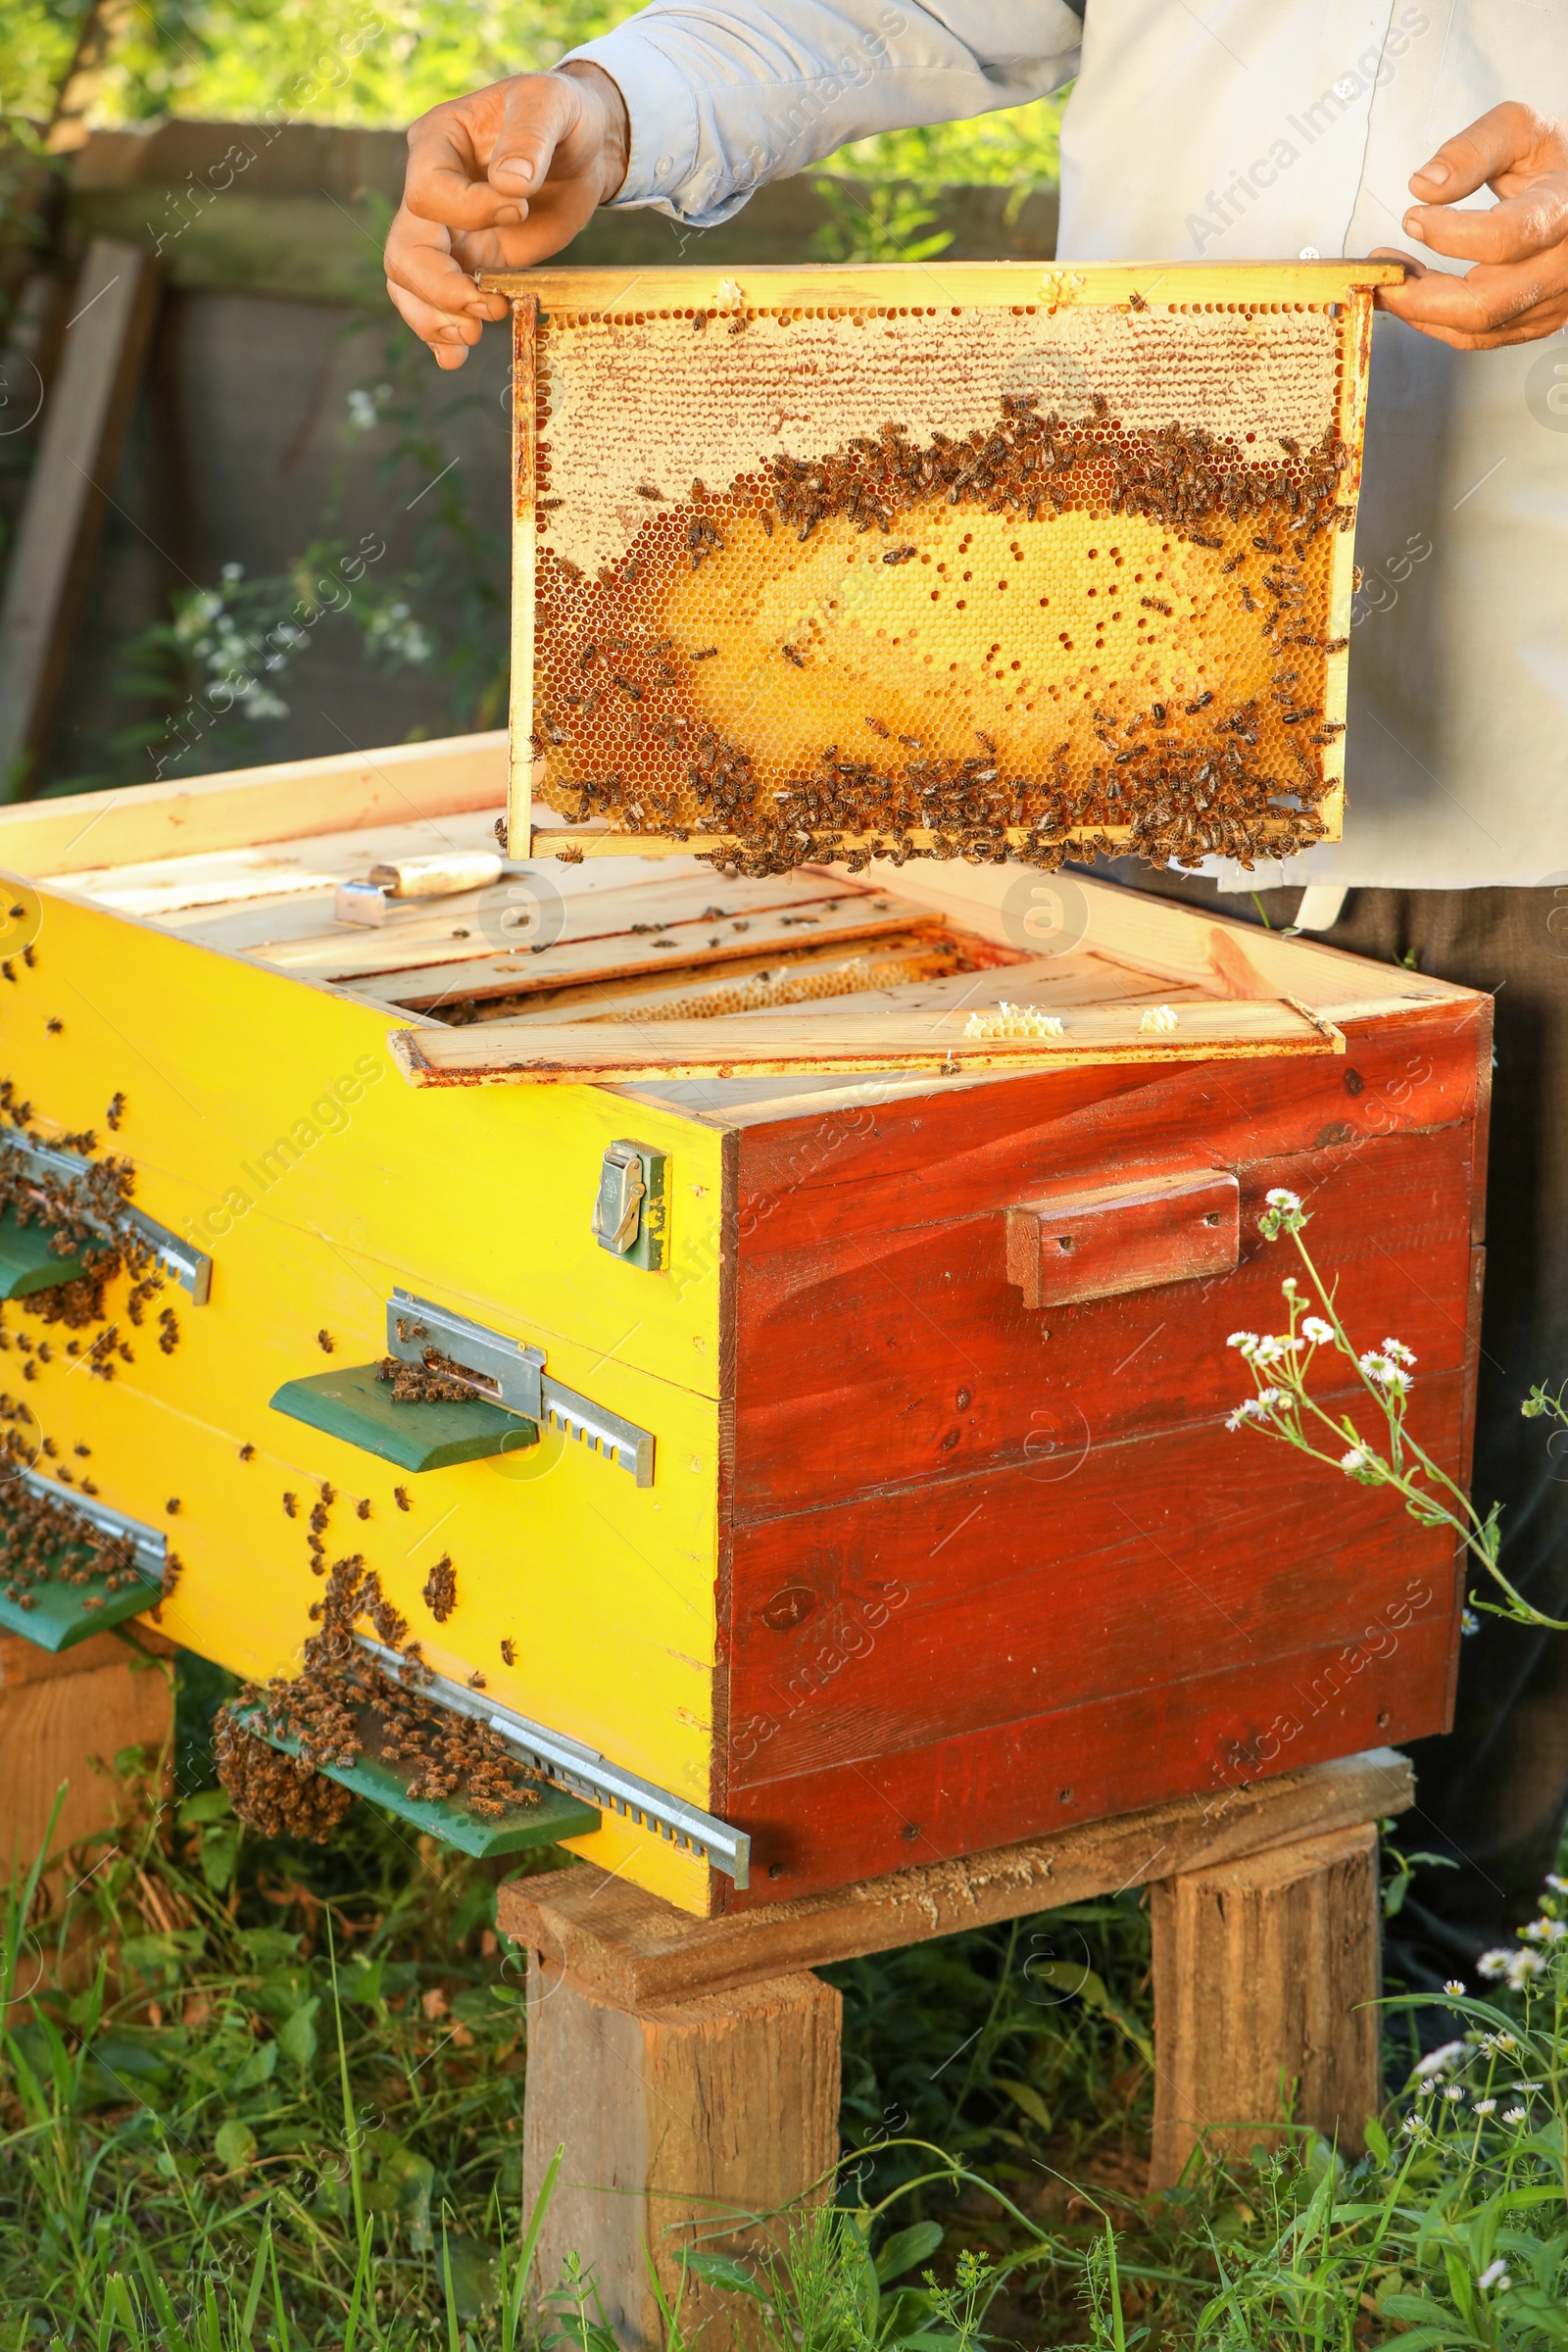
column 1264, row 1970
column 59, row 1716
column 674, row 2114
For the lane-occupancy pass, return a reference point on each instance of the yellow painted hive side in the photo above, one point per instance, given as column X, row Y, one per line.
column 267, row 1124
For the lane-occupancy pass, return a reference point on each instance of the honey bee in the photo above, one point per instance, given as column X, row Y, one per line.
column 791, row 654
column 707, row 653
column 400, row 1496
column 361, row 1510
column 648, row 490
column 1136, row 302
column 53, row 1027
column 247, row 1453
column 508, row 1653
column 28, row 956
column 172, row 1506
column 325, row 1342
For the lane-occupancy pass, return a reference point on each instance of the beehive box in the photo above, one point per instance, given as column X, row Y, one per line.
column 865, row 1522
column 932, row 560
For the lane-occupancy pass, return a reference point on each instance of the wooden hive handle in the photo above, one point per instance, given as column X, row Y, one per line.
column 1126, row 1237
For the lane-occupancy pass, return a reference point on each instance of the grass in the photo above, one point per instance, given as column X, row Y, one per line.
column 257, row 2094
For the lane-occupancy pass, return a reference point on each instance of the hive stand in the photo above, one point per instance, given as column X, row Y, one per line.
column 691, row 2066
column 63, row 1715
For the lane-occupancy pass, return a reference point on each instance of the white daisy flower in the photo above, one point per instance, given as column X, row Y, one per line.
column 1513, row 2115
column 1398, row 1353
column 1280, row 1198
column 1438, row 2061
column 1495, row 2275
column 1454, row 1985
column 1320, row 1333
column 1486, row 2106
column 1355, row 1459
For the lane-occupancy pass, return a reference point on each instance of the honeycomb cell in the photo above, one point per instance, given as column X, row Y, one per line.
column 998, row 579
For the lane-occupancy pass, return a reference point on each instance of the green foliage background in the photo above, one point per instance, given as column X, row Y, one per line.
column 241, row 59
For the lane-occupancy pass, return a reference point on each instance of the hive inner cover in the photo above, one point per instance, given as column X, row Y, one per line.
column 932, row 576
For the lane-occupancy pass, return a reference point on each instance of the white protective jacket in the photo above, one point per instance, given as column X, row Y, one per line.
column 1240, row 129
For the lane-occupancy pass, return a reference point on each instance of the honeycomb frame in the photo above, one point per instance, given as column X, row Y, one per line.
column 808, row 653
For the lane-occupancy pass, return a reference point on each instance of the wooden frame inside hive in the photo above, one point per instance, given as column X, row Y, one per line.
column 912, row 561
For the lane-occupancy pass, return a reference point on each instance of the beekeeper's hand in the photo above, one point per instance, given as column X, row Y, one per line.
column 1516, row 289
column 499, row 181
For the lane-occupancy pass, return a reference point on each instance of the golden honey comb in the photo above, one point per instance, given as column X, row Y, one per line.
column 916, row 561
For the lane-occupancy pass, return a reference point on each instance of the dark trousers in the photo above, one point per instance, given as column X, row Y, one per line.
column 1492, row 1794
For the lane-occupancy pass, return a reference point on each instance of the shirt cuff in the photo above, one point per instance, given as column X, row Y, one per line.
column 661, row 119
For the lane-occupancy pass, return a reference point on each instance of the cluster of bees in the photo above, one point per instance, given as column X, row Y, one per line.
column 45, row 1539
column 440, row 1594
column 1180, row 475
column 278, row 1795
column 432, row 1385
column 85, row 1216
column 343, row 1705
column 1176, row 784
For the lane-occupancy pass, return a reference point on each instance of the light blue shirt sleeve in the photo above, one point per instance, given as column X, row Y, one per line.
column 722, row 99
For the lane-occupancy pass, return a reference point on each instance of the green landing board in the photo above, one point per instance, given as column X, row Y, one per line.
column 60, row 1616
column 356, row 1406
column 557, row 1815
column 27, row 1261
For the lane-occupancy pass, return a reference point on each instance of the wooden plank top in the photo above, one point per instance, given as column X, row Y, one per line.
column 602, row 1052
column 244, row 807
column 635, row 1949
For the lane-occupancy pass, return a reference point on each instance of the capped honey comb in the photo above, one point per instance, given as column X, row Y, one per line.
column 920, row 562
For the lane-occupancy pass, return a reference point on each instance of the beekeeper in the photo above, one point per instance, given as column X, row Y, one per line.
column 1225, row 130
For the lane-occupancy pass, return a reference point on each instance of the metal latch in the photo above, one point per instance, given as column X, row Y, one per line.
column 512, row 1375
column 190, row 1267
column 631, row 1206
